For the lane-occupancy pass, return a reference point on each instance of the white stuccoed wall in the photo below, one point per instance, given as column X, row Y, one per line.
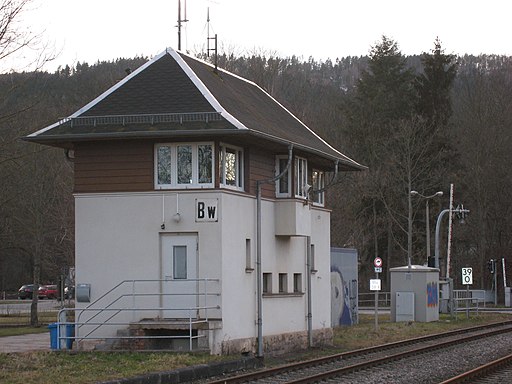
column 118, row 238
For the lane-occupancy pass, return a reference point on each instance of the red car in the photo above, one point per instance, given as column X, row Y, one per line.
column 48, row 292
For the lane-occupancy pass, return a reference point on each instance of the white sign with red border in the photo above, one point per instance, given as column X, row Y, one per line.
column 377, row 262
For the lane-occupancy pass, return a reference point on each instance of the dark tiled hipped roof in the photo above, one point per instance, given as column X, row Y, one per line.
column 162, row 87
column 177, row 95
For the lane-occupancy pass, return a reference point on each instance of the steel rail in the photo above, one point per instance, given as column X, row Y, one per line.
column 480, row 372
column 397, row 356
column 344, row 355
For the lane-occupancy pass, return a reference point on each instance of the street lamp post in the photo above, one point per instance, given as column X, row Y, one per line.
column 427, row 215
column 459, row 211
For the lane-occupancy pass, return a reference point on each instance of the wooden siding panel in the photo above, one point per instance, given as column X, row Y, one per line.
column 118, row 166
column 114, row 167
column 261, row 167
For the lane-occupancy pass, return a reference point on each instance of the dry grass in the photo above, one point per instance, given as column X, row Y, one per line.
column 16, row 331
column 81, row 368
column 364, row 334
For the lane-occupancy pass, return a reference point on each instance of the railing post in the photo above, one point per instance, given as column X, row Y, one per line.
column 133, row 300
column 205, row 301
column 190, row 330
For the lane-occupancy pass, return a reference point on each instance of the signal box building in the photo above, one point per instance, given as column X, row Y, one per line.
column 200, row 213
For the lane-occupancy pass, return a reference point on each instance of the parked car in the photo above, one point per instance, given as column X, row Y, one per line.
column 69, row 292
column 48, row 292
column 26, row 291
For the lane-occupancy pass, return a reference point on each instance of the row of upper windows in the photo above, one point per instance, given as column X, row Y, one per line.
column 192, row 165
column 302, row 188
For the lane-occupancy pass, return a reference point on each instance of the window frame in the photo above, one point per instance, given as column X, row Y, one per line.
column 297, row 283
column 318, row 183
column 179, row 262
column 239, row 166
column 173, row 153
column 283, row 282
column 267, row 283
column 301, row 177
column 288, row 176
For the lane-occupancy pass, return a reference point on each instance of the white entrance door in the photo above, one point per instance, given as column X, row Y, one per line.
column 179, row 272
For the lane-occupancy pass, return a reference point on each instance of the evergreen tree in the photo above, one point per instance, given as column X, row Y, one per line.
column 383, row 98
column 405, row 149
column 435, row 84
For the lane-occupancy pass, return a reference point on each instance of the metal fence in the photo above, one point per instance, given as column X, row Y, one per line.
column 15, row 312
column 367, row 300
column 472, row 299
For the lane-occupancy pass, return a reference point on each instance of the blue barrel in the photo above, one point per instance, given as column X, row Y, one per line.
column 70, row 334
column 54, row 337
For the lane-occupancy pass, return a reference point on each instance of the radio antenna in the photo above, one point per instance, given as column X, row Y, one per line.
column 180, row 21
column 208, row 38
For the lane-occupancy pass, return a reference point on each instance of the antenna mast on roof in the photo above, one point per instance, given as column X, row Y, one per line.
column 208, row 38
column 180, row 20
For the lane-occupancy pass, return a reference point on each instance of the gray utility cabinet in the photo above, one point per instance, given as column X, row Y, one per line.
column 414, row 293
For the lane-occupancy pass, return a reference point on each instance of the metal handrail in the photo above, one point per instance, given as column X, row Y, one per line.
column 114, row 311
column 190, row 324
column 133, row 281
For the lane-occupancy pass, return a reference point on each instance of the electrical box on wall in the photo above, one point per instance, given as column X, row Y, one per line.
column 83, row 293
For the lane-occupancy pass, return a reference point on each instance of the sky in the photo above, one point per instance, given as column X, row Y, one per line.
column 94, row 30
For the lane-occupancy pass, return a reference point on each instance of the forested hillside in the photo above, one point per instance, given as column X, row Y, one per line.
column 418, row 123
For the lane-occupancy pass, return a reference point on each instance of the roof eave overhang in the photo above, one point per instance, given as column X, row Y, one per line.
column 66, row 141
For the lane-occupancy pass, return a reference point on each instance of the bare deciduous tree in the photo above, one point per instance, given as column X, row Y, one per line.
column 14, row 40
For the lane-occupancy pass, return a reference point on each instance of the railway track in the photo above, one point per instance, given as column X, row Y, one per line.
column 497, row 371
column 381, row 361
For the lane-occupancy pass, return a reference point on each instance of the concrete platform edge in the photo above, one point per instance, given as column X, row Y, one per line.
column 186, row 374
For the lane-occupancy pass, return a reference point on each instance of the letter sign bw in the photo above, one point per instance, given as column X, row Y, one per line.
column 207, row 210
column 467, row 276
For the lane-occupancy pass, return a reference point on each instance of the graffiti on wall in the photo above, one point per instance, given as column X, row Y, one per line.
column 340, row 298
column 432, row 295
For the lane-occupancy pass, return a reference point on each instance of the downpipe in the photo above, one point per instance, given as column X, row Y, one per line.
column 259, row 273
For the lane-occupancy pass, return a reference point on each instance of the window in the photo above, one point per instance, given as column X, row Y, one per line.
column 301, row 177
column 297, row 283
column 283, row 283
column 184, row 165
column 231, row 167
column 205, row 163
column 284, row 183
column 318, row 180
column 267, row 283
column 248, row 257
column 179, row 259
column 164, row 169
column 312, row 266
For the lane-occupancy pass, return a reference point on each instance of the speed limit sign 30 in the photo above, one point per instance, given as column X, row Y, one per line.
column 467, row 276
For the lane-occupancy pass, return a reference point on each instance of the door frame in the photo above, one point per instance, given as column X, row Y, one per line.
column 190, row 236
